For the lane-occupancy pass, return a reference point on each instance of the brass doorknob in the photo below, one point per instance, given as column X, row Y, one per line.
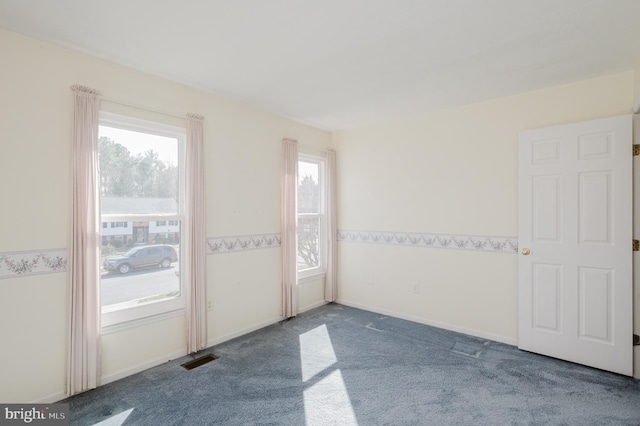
column 526, row 251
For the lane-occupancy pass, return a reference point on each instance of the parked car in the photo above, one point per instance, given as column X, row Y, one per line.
column 160, row 255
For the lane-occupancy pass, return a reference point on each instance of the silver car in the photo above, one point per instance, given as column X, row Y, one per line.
column 161, row 256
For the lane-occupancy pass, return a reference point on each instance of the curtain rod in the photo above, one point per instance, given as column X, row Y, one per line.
column 144, row 108
column 312, row 148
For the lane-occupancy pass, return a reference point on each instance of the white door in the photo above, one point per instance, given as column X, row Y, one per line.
column 575, row 242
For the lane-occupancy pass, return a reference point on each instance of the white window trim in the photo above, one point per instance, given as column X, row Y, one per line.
column 312, row 278
column 315, row 273
column 123, row 318
column 137, row 322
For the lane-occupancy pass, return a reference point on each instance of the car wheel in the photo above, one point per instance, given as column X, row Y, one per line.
column 124, row 268
column 165, row 263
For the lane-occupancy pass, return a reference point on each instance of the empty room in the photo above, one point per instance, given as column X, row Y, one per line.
column 319, row 212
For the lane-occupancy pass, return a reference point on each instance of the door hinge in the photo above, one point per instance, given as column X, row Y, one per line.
column 636, row 245
column 636, row 340
column 636, row 149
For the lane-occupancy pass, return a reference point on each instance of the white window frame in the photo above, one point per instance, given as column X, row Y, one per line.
column 309, row 274
column 114, row 317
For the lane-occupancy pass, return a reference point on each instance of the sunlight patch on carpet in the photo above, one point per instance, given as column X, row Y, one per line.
column 316, row 352
column 328, row 402
column 117, row 420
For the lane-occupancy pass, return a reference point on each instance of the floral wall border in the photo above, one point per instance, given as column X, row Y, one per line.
column 441, row 241
column 38, row 262
column 32, row 262
column 16, row 264
column 237, row 243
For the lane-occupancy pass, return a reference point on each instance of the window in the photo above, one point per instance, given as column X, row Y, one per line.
column 141, row 177
column 311, row 215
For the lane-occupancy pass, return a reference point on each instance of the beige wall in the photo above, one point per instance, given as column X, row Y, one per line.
column 242, row 148
column 449, row 172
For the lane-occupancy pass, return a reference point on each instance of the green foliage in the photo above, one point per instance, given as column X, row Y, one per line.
column 108, row 250
column 143, row 175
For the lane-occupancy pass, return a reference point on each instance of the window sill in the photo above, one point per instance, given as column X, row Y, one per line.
column 134, row 323
column 310, row 278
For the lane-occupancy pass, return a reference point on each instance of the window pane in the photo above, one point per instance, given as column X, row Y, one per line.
column 308, row 242
column 140, row 264
column 308, row 187
column 138, row 172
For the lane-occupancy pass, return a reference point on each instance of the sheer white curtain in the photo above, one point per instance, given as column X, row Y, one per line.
column 83, row 358
column 288, row 227
column 331, row 280
column 196, row 269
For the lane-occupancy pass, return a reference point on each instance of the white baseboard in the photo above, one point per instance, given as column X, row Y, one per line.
column 445, row 326
column 160, row 360
column 141, row 367
column 51, row 398
column 116, row 376
column 226, row 337
column 258, row 326
column 310, row 307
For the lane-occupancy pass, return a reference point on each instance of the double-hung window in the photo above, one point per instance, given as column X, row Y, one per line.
column 311, row 215
column 141, row 190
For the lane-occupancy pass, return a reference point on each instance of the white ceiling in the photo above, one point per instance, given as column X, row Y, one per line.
column 339, row 64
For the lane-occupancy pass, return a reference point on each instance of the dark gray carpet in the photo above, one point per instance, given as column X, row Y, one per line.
column 337, row 365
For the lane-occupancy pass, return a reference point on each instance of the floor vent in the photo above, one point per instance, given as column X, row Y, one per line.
column 468, row 349
column 199, row 361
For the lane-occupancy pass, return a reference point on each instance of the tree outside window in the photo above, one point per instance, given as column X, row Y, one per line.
column 310, row 214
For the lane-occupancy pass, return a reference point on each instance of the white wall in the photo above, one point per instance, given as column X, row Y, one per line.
column 242, row 148
column 449, row 172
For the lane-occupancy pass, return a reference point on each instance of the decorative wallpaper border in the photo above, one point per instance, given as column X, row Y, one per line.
column 32, row 262
column 220, row 245
column 442, row 241
column 37, row 262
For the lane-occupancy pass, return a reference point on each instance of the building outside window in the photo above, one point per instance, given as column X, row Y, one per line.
column 141, row 178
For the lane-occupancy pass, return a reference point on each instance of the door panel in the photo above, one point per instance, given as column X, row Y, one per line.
column 594, row 209
column 547, row 200
column 547, row 291
column 596, row 312
column 575, row 218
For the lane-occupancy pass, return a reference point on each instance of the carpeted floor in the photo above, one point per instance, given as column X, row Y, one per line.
column 337, row 365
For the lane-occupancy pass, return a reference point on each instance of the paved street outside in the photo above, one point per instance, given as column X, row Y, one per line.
column 140, row 284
